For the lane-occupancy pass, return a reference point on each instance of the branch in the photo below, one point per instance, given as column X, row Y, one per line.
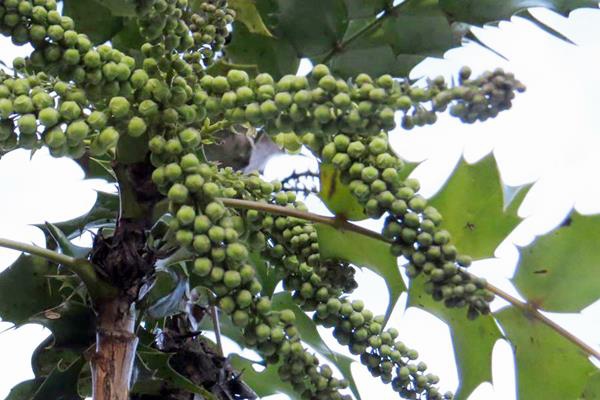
column 83, row 268
column 365, row 29
column 342, row 224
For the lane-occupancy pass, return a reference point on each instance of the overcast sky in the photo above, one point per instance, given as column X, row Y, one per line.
column 550, row 137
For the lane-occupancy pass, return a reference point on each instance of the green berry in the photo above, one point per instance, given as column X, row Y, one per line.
column 77, row 131
column 237, row 252
column 136, row 127
column 178, row 193
column 49, row 117
column 232, row 279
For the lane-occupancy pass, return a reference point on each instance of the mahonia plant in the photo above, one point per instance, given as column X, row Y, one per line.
column 78, row 99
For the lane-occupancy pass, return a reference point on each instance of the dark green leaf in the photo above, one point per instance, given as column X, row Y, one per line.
column 122, row 8
column 337, row 196
column 61, row 385
column 165, row 297
column 268, row 274
column 158, row 362
column 246, row 13
column 548, row 365
column 473, row 341
column 26, row 289
column 264, row 383
column 129, row 39
column 46, row 357
column 24, row 390
column 364, row 9
column 72, row 324
column 64, row 244
column 473, row 208
column 96, row 168
column 399, row 41
column 274, row 56
column 365, row 252
column 559, row 271
column 485, row 11
column 93, row 19
column 312, row 26
column 131, row 149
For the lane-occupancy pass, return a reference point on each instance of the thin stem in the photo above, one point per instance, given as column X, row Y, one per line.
column 526, row 308
column 338, row 223
column 214, row 313
column 376, row 22
column 532, row 311
column 83, row 268
column 40, row 251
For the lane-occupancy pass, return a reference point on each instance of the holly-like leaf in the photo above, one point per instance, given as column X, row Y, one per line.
column 131, row 149
column 61, row 385
column 473, row 208
column 24, row 390
column 337, row 196
column 485, row 11
column 166, row 295
column 363, row 251
column 364, row 9
column 158, row 363
column 275, row 56
column 264, row 383
column 26, row 289
column 122, row 8
column 311, row 33
column 310, row 335
column 267, row 274
column 398, row 41
column 73, row 324
column 246, row 13
column 559, row 271
column 64, row 244
column 548, row 365
column 93, row 19
column 473, row 341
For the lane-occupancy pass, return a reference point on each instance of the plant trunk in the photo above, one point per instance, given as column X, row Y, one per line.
column 116, row 343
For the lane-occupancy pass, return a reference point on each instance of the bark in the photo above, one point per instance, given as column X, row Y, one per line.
column 112, row 362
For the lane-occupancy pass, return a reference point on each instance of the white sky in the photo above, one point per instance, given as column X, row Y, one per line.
column 550, row 137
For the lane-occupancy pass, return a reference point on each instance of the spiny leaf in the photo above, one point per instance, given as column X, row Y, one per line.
column 473, row 208
column 592, row 389
column 365, row 252
column 158, row 362
column 559, row 271
column 246, row 12
column 264, row 383
column 131, row 149
column 268, row 275
column 473, row 341
column 275, row 56
column 64, row 244
column 26, row 289
column 364, row 9
column 337, row 196
column 61, row 385
column 24, row 390
column 485, row 11
column 100, row 25
column 103, row 213
column 166, row 295
column 548, row 365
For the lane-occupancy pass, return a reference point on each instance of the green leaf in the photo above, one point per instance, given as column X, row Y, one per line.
column 64, row 244
column 131, row 149
column 364, row 9
column 415, row 30
column 158, row 362
column 73, row 324
column 310, row 335
column 268, row 275
column 337, row 196
column 274, row 56
column 548, row 365
column 592, row 389
column 473, row 341
column 61, row 385
column 484, row 11
column 246, row 13
column 24, row 390
column 96, row 168
column 26, row 289
column 93, row 19
column 311, row 32
column 472, row 205
column 264, row 383
column 167, row 293
column 559, row 271
column 122, row 8
column 365, row 252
